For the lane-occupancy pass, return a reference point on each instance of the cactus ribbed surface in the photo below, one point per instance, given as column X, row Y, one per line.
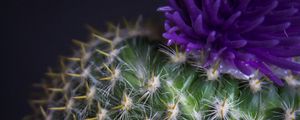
column 129, row 75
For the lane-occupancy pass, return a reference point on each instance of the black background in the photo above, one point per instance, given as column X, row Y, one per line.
column 35, row 32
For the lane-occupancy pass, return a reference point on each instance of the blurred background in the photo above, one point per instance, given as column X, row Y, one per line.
column 35, row 32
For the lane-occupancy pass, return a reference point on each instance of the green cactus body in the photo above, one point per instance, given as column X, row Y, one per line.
column 128, row 74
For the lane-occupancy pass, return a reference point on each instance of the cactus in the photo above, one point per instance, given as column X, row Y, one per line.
column 129, row 74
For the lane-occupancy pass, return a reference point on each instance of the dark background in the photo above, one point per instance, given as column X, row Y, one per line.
column 35, row 32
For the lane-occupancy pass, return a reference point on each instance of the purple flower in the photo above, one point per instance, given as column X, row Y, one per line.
column 246, row 35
